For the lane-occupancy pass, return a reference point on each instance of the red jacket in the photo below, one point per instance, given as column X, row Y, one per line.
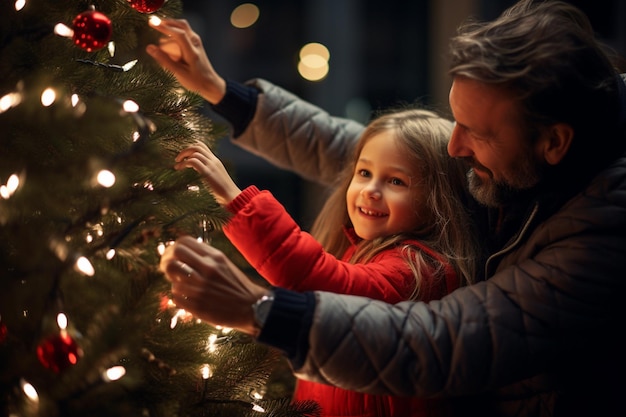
column 274, row 245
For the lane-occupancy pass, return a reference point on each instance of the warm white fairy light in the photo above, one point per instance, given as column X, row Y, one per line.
column 111, row 48
column 206, row 371
column 8, row 189
column 9, row 100
column 114, row 373
column 154, row 20
column 224, row 330
column 48, row 97
column 62, row 30
column 161, row 248
column 211, row 345
column 106, row 178
column 110, row 254
column 74, row 99
column 84, row 266
column 89, row 238
column 29, row 391
column 180, row 315
column 129, row 65
column 62, row 321
column 19, row 5
column 130, row 106
column 256, row 407
column 193, row 188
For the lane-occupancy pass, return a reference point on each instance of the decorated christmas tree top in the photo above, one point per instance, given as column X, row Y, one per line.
column 89, row 128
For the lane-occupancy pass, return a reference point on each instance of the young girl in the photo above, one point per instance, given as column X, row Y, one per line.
column 393, row 229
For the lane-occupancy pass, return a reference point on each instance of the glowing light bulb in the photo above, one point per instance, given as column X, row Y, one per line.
column 48, row 97
column 114, row 373
column 62, row 321
column 130, row 106
column 206, row 372
column 84, row 266
column 30, row 391
column 106, row 178
column 62, row 30
column 154, row 20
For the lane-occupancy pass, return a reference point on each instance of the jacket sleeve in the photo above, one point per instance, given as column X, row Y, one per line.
column 298, row 136
column 274, row 245
column 554, row 304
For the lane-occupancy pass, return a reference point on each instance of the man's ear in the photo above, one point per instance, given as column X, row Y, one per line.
column 557, row 143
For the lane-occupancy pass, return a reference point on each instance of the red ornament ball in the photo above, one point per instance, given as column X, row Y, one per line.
column 59, row 352
column 3, row 332
column 92, row 30
column 146, row 6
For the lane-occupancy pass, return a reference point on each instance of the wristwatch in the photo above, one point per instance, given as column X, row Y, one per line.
column 261, row 309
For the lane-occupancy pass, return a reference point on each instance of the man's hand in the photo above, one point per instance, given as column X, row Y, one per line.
column 181, row 52
column 209, row 286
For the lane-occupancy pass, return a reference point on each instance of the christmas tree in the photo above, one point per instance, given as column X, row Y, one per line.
column 89, row 128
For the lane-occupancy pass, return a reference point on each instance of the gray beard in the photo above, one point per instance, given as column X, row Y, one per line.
column 494, row 194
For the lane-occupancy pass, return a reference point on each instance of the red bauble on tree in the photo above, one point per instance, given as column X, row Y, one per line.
column 3, row 331
column 92, row 30
column 59, row 352
column 146, row 6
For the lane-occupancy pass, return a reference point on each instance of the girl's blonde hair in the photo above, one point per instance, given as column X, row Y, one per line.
column 446, row 229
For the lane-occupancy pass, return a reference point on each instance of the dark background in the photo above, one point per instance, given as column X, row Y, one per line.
column 383, row 53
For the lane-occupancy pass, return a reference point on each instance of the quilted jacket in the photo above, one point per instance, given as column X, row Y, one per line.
column 272, row 242
column 543, row 335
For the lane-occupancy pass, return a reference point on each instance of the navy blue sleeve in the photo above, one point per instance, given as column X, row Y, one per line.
column 288, row 324
column 238, row 105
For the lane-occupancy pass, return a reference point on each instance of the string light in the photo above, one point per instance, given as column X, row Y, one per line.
column 106, row 178
column 48, row 97
column 10, row 100
column 83, row 265
column 6, row 191
column 114, row 373
column 29, row 391
column 206, row 371
column 63, row 30
column 62, row 321
column 130, row 106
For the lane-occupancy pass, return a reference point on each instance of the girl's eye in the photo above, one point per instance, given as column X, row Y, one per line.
column 397, row 181
column 363, row 173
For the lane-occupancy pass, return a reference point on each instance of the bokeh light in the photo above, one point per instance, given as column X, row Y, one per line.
column 244, row 15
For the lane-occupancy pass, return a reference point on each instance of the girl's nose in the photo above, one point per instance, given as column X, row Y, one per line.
column 371, row 190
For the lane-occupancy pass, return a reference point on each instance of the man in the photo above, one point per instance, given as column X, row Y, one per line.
column 540, row 115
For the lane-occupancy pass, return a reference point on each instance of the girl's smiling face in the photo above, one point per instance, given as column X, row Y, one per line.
column 383, row 197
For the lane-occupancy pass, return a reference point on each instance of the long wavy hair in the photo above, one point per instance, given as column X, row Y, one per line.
column 446, row 227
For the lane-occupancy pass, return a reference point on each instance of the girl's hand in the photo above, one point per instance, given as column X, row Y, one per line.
column 211, row 169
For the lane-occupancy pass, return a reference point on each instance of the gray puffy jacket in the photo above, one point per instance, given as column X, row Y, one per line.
column 543, row 336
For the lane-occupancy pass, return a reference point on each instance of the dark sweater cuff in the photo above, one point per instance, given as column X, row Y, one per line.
column 288, row 324
column 238, row 105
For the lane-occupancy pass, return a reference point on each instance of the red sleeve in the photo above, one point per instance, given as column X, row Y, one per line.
column 288, row 257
